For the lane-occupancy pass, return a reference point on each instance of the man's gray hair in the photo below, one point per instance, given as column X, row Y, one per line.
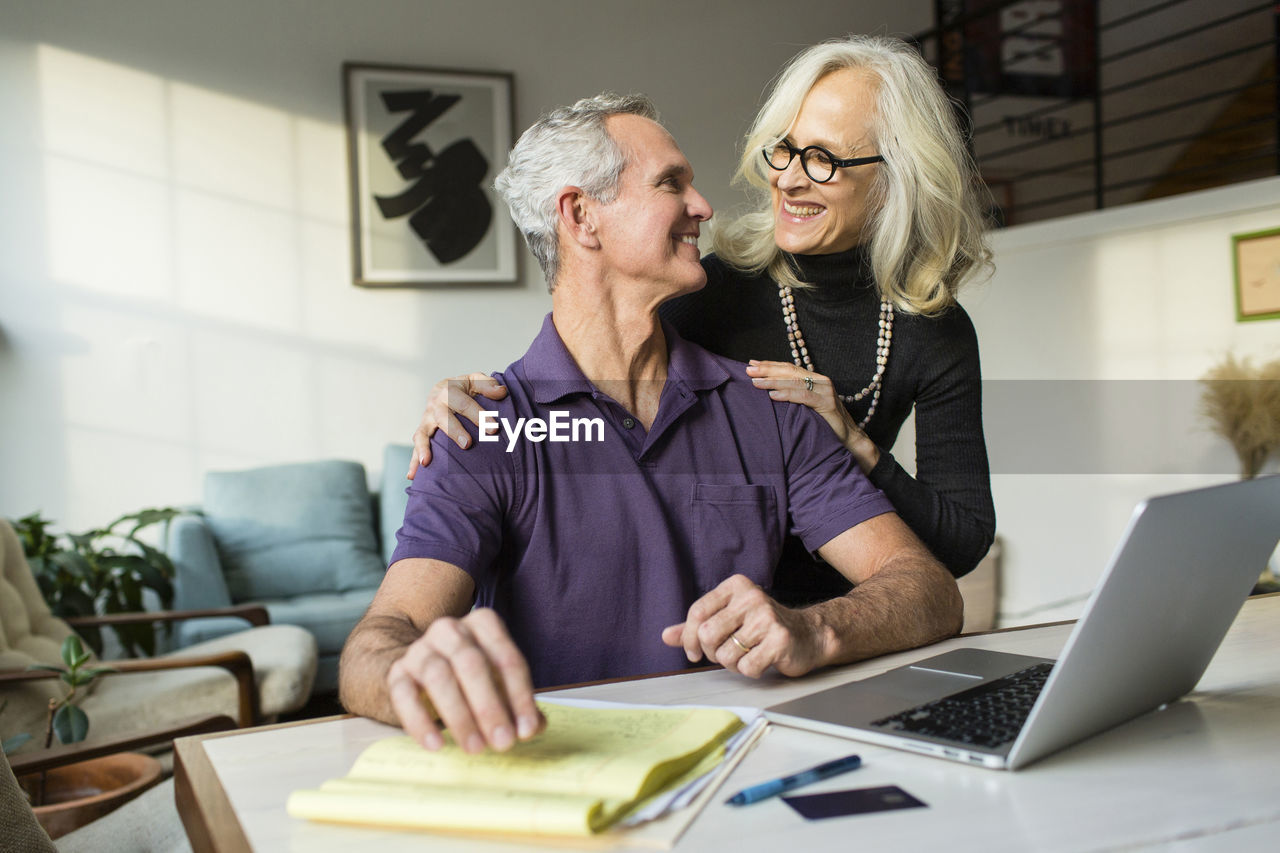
column 568, row 146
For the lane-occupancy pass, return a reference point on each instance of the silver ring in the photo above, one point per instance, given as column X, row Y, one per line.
column 808, row 382
column 745, row 648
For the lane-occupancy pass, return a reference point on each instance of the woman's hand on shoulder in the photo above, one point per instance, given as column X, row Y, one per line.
column 787, row 382
column 451, row 399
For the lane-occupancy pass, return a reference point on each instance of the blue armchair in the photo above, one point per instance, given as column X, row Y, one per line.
column 308, row 541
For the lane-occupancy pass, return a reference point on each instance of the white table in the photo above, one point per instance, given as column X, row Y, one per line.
column 1201, row 774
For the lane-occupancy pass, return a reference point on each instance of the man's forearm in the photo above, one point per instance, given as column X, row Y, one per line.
column 909, row 603
column 375, row 644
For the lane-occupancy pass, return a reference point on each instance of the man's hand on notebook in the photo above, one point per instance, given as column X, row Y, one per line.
column 738, row 626
column 468, row 674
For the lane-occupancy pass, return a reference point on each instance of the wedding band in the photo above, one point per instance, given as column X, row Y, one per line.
column 808, row 383
column 745, row 648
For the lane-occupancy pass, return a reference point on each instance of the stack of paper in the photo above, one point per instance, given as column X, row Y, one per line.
column 593, row 765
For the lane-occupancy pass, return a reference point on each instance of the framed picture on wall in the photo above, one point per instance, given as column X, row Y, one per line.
column 423, row 146
column 1257, row 268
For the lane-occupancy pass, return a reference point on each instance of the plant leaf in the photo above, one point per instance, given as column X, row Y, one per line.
column 75, row 602
column 95, row 671
column 12, row 743
column 135, row 637
column 164, row 590
column 48, row 589
column 158, row 560
column 148, row 517
column 84, row 541
column 92, row 635
column 123, row 565
column 132, row 593
column 72, row 562
column 45, row 667
column 70, row 724
column 147, row 640
column 73, row 651
column 81, row 677
column 153, row 578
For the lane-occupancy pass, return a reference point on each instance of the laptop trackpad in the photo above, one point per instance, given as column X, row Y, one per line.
column 909, row 686
column 861, row 702
column 936, row 677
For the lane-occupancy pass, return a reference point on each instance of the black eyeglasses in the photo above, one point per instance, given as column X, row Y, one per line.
column 818, row 163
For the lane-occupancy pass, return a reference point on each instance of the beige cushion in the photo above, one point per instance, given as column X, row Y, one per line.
column 284, row 664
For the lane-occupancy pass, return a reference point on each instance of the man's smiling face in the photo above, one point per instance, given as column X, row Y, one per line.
column 649, row 232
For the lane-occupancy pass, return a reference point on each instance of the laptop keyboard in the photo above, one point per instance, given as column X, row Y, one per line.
column 989, row 715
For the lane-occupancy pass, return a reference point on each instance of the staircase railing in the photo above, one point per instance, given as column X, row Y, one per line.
column 1075, row 105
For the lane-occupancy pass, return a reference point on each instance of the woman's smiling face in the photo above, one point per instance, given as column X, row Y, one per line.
column 812, row 218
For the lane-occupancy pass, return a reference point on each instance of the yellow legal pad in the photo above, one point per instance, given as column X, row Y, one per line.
column 588, row 768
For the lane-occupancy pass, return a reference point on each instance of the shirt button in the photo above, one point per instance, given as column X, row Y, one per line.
column 628, row 423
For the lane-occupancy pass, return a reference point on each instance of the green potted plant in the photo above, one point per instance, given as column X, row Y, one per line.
column 68, row 720
column 68, row 797
column 103, row 570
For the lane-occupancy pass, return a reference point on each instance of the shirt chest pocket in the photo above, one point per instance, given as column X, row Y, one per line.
column 736, row 531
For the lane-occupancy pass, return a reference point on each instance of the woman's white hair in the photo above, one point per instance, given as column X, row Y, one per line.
column 926, row 232
column 568, row 146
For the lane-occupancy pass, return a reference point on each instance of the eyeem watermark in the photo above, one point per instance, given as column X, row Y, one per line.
column 560, row 427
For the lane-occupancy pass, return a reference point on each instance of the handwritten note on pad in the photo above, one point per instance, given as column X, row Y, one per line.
column 588, row 768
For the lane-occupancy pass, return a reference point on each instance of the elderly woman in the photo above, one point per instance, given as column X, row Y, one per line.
column 840, row 289
column 843, row 284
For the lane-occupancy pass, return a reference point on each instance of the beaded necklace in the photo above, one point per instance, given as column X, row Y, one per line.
column 800, row 352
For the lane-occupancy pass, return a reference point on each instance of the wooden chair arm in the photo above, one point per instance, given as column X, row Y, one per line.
column 13, row 676
column 47, row 759
column 236, row 662
column 255, row 614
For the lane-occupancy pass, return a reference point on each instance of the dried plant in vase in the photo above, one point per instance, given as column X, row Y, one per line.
column 1242, row 403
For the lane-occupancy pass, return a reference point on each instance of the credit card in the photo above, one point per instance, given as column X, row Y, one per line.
column 856, row 801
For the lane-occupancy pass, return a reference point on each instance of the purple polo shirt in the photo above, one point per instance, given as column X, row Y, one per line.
column 589, row 548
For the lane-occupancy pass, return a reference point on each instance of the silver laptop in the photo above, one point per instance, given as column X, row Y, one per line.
column 1183, row 569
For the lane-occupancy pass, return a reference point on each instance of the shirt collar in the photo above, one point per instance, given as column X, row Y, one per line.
column 690, row 364
column 554, row 374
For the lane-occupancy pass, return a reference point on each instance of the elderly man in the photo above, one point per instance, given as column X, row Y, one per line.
column 644, row 544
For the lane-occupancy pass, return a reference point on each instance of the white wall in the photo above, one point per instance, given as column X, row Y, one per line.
column 175, row 292
column 1133, row 304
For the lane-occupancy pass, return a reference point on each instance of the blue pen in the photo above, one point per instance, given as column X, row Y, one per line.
column 787, row 783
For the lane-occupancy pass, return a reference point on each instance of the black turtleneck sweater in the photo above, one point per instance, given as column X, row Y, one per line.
column 933, row 365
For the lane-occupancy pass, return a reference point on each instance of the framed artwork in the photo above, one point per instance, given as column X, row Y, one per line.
column 424, row 146
column 1257, row 267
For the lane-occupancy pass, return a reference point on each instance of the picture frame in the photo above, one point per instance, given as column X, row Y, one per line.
column 423, row 148
column 1256, row 261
